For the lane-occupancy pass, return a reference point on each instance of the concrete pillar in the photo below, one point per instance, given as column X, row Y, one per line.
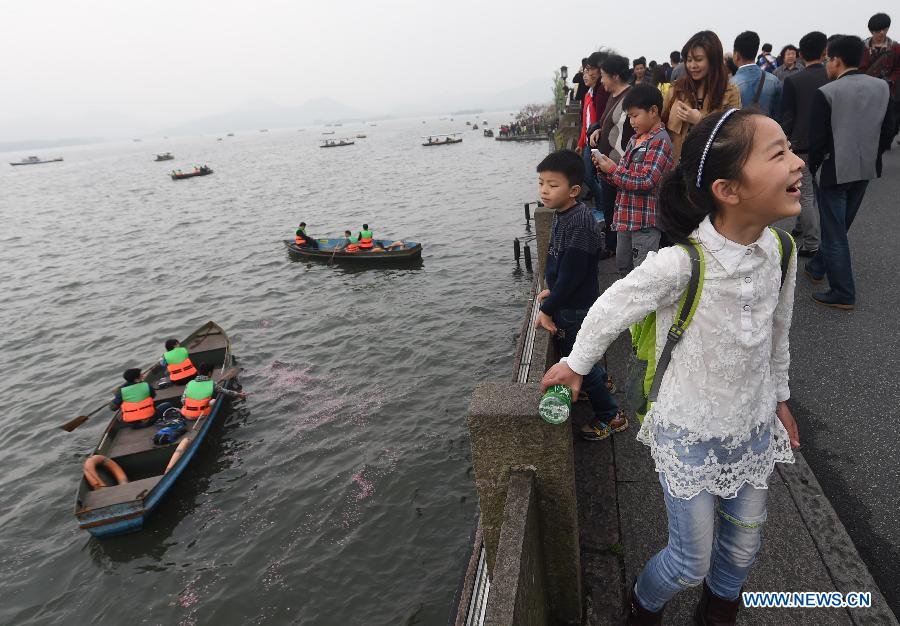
column 519, row 588
column 543, row 220
column 507, row 434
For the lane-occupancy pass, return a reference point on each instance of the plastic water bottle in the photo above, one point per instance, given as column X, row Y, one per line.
column 556, row 405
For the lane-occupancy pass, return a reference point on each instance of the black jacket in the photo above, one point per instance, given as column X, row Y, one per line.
column 796, row 101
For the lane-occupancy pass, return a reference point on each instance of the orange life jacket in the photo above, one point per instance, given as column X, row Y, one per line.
column 300, row 241
column 352, row 247
column 181, row 370
column 136, row 410
column 193, row 409
column 365, row 243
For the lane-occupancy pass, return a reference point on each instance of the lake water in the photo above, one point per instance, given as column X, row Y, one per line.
column 341, row 491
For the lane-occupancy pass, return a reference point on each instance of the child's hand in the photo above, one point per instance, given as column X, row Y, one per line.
column 790, row 425
column 546, row 322
column 562, row 374
column 543, row 295
column 604, row 163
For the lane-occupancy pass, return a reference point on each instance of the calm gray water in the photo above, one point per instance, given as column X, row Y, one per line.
column 341, row 492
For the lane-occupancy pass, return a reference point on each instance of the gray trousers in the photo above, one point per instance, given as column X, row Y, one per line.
column 807, row 223
column 632, row 247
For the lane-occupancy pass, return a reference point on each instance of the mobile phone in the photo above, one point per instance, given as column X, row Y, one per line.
column 595, row 152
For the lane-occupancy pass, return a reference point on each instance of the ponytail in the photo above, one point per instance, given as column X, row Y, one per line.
column 717, row 148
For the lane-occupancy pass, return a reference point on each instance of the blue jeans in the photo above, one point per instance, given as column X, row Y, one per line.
column 698, row 549
column 838, row 206
column 590, row 179
column 594, row 382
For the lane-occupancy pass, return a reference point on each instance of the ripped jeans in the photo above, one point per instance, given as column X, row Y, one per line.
column 699, row 548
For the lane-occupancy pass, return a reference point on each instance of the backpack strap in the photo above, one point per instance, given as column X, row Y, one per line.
column 683, row 316
column 785, row 242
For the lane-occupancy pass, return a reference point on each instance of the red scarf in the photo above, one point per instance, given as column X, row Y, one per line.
column 588, row 105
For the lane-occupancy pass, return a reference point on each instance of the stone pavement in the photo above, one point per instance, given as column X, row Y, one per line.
column 846, row 398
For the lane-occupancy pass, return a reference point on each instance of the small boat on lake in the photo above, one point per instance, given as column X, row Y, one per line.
column 203, row 170
column 150, row 473
column 164, row 156
column 230, row 135
column 33, row 160
column 411, row 251
column 328, row 132
column 335, row 143
column 488, row 132
column 436, row 140
column 361, row 136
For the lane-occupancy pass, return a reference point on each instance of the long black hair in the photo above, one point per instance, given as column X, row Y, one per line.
column 682, row 206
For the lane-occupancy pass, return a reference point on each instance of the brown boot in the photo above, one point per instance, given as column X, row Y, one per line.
column 638, row 615
column 715, row 611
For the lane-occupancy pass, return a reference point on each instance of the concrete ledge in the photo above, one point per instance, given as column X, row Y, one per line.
column 506, row 434
column 519, row 593
column 844, row 565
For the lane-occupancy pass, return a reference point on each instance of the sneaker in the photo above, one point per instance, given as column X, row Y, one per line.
column 827, row 298
column 595, row 431
column 619, row 422
column 813, row 278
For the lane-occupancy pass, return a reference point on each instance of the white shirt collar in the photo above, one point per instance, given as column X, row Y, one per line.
column 747, row 65
column 729, row 253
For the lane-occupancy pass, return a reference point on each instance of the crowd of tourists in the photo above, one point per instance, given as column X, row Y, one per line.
column 722, row 155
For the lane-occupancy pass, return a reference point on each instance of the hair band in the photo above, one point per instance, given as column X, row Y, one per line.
column 712, row 137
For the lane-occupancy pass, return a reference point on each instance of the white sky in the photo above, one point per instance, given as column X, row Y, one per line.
column 165, row 61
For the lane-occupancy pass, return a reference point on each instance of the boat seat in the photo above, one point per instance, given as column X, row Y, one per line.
column 171, row 394
column 133, row 440
column 119, row 493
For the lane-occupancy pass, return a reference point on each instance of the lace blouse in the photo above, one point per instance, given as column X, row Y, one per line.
column 713, row 425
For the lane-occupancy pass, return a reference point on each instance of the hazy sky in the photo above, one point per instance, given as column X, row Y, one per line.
column 164, row 61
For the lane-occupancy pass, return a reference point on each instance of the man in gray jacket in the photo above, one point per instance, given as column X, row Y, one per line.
column 850, row 127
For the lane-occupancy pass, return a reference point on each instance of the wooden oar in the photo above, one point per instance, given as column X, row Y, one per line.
column 81, row 419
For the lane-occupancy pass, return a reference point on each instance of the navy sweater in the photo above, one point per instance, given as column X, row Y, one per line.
column 571, row 272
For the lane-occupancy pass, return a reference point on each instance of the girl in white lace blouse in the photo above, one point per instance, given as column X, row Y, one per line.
column 720, row 421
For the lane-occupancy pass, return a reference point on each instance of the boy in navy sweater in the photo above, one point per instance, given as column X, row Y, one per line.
column 571, row 276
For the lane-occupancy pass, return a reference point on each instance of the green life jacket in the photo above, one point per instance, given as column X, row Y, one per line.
column 366, row 234
column 353, row 239
column 200, row 389
column 136, row 392
column 176, row 355
column 643, row 334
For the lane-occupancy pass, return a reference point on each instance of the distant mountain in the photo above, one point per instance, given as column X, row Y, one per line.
column 536, row 91
column 26, row 144
column 264, row 115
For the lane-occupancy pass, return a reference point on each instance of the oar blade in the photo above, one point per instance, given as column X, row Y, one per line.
column 74, row 423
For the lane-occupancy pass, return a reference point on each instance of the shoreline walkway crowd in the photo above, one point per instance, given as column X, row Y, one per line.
column 709, row 152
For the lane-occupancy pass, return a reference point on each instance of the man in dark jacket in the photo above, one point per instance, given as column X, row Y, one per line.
column 796, row 100
column 882, row 59
column 851, row 125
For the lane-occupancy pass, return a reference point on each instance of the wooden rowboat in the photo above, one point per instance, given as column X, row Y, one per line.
column 203, row 171
column 123, row 508
column 412, row 251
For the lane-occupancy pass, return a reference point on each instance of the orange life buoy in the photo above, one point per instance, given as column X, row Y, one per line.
column 93, row 478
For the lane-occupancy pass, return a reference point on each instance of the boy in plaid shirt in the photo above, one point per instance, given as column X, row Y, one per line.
column 648, row 157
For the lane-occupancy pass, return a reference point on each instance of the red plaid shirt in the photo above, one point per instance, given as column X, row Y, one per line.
column 647, row 158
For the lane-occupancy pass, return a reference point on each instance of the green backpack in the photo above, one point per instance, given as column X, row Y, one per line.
column 643, row 334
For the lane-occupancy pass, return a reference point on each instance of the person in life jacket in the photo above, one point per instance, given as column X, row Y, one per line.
column 135, row 399
column 351, row 243
column 365, row 238
column 302, row 239
column 177, row 362
column 200, row 394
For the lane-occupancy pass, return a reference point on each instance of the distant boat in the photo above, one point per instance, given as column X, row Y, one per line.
column 334, row 143
column 218, row 139
column 488, row 132
column 361, row 136
column 203, row 170
column 33, row 160
column 328, row 132
column 137, row 140
column 468, row 123
column 435, row 140
column 373, row 124
column 263, row 130
column 231, row 134
column 164, row 156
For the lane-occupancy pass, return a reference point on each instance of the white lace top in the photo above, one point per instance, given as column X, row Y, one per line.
column 713, row 425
